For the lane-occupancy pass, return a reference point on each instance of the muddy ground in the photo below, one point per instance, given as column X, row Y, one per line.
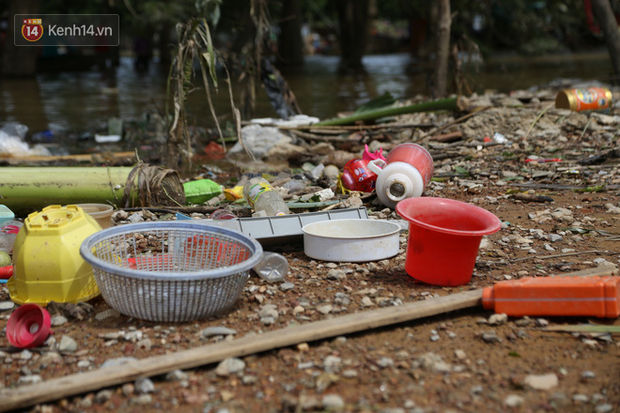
column 461, row 361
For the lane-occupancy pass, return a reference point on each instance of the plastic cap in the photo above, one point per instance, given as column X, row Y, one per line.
column 29, row 326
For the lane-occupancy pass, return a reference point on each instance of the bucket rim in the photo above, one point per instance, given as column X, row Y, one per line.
column 495, row 224
column 311, row 230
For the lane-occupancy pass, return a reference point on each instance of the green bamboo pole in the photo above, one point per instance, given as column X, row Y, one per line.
column 26, row 189
column 443, row 104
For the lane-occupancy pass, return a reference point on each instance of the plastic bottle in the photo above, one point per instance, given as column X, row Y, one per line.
column 262, row 197
column 8, row 233
column 273, row 267
column 408, row 169
column 555, row 296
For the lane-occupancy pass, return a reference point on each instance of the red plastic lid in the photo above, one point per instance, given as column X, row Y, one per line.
column 28, row 326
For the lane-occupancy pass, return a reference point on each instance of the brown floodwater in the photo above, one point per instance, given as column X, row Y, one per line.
column 83, row 101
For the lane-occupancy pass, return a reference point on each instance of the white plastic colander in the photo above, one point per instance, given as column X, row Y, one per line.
column 170, row 271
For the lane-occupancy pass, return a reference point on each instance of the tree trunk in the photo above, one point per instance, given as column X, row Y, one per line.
column 443, row 48
column 19, row 60
column 605, row 17
column 291, row 47
column 353, row 33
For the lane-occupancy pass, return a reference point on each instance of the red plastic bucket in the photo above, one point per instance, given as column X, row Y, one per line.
column 28, row 326
column 444, row 238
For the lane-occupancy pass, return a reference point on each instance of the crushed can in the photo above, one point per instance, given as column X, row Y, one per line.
column 593, row 98
column 356, row 176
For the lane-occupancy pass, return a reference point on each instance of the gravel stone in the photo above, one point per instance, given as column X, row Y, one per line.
column 514, row 401
column 144, row 385
column 230, row 366
column 177, row 375
column 333, row 402
column 497, row 319
column 67, row 345
column 332, row 364
column 385, row 362
column 103, row 396
column 542, row 382
column 286, row 286
column 30, row 379
column 142, row 400
column 58, row 320
column 217, row 331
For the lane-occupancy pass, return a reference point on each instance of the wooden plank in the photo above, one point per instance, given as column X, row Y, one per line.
column 75, row 384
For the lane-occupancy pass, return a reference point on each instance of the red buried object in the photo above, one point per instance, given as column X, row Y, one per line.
column 28, row 326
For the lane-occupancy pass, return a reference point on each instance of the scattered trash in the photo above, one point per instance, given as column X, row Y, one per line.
column 262, row 197
column 28, row 326
column 499, row 138
column 593, row 98
column 12, row 142
column 5, row 259
column 273, row 267
column 5, row 214
column 444, row 238
column 542, row 160
column 214, row 150
column 356, row 176
column 182, row 262
column 46, row 257
column 351, row 240
column 286, row 229
column 555, row 296
column 6, row 272
column 371, row 156
column 408, row 169
column 222, row 214
column 107, row 138
column 101, row 212
column 9, row 228
column 201, row 190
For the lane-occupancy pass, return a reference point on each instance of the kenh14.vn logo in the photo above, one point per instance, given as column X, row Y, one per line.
column 32, row 29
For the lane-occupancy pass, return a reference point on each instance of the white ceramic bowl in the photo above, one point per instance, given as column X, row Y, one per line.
column 351, row 240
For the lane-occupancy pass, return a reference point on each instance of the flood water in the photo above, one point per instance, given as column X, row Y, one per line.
column 83, row 101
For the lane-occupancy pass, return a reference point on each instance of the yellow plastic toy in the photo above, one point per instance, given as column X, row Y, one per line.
column 46, row 256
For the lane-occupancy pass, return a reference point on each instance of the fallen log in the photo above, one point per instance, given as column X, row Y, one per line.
column 28, row 189
column 79, row 383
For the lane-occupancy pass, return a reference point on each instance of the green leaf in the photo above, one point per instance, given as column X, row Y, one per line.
column 461, row 171
column 382, row 101
column 514, row 354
